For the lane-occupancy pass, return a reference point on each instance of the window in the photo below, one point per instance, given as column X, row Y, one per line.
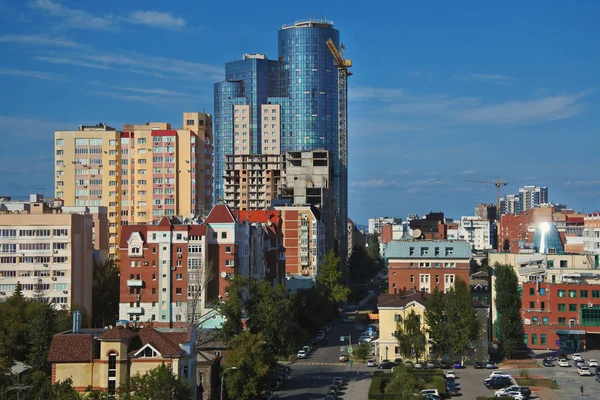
column 223, row 235
column 562, row 321
column 531, row 291
column 112, row 373
column 534, row 338
column 424, row 278
column 178, row 291
column 544, row 321
column 562, row 307
column 564, row 264
column 583, row 293
column 412, row 279
column 531, row 305
column 525, row 339
column 572, row 307
column 550, row 263
column 227, row 249
column 535, row 320
column 437, row 279
column 572, row 294
column 149, row 353
column 561, row 293
column 542, row 291
column 543, row 339
column 596, row 294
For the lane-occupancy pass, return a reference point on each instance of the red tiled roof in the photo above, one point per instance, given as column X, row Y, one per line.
column 72, row 347
column 401, row 300
column 126, row 232
column 161, row 341
column 262, row 216
column 220, row 214
column 119, row 332
column 198, row 230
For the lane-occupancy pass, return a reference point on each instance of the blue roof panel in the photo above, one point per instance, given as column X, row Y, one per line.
column 430, row 249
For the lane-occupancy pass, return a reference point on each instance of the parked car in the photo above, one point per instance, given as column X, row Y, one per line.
column 497, row 382
column 514, row 394
column 445, row 365
column 499, row 373
column 344, row 357
column 418, row 365
column 387, row 365
column 301, row 354
column 320, row 336
column 427, row 392
column 334, row 388
column 453, row 390
column 563, row 363
column 490, row 365
column 450, row 375
column 523, row 390
column 431, row 364
column 370, row 363
column 593, row 362
column 328, row 397
column 332, row 393
column 458, row 365
column 584, row 371
column 397, row 360
column 478, row 365
column 409, row 364
column 339, row 381
column 576, row 357
column 547, row 362
column 307, row 349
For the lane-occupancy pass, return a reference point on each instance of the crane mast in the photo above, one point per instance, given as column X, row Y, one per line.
column 498, row 183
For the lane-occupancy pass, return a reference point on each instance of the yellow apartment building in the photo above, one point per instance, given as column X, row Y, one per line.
column 48, row 252
column 140, row 174
column 393, row 307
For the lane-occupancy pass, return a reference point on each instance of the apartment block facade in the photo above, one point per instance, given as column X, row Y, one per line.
column 560, row 299
column 423, row 265
column 141, row 174
column 591, row 233
column 48, row 252
column 173, row 271
column 479, row 232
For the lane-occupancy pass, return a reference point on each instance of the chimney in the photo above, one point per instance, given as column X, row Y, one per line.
column 76, row 321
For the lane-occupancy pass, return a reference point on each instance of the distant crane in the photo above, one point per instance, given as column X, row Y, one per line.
column 498, row 183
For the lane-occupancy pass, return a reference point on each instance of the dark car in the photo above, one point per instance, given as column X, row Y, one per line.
column 387, row 365
column 525, row 391
column 445, row 365
column 548, row 362
column 499, row 382
column 453, row 390
column 478, row 365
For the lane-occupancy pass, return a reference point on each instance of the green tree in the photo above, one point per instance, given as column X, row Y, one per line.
column 436, row 322
column 329, row 278
column 373, row 250
column 252, row 363
column 410, row 336
column 508, row 308
column 461, row 318
column 312, row 309
column 40, row 321
column 13, row 327
column 270, row 312
column 157, row 384
column 63, row 390
column 361, row 268
column 105, row 294
column 362, row 352
column 232, row 308
column 403, row 385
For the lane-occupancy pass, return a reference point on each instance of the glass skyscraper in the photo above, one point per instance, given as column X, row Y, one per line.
column 303, row 81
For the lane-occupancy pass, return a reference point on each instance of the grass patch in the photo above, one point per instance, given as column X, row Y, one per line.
column 549, row 383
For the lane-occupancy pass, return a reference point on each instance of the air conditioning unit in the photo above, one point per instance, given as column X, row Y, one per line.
column 54, row 278
column 145, row 262
column 55, row 251
column 173, row 268
column 179, row 255
column 46, row 265
column 65, row 291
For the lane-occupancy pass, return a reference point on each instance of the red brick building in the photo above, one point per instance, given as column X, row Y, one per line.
column 425, row 265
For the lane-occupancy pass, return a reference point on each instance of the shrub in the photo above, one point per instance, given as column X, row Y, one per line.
column 524, row 373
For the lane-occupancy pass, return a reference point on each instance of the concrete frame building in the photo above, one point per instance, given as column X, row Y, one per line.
column 591, row 233
column 50, row 253
column 481, row 234
column 532, row 197
column 375, row 224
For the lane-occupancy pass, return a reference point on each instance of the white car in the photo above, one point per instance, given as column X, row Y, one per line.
column 584, row 371
column 563, row 363
column 370, row 363
column 513, row 393
column 430, row 391
column 576, row 357
column 320, row 336
column 512, row 388
column 450, row 374
column 593, row 362
column 499, row 373
column 301, row 354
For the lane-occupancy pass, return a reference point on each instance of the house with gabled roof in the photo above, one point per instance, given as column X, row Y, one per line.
column 106, row 359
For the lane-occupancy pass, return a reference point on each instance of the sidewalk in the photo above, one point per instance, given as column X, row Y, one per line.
column 358, row 389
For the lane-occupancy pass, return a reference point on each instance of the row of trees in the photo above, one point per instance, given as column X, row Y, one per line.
column 363, row 264
column 451, row 321
column 276, row 324
column 508, row 309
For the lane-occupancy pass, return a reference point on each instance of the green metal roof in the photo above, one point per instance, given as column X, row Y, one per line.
column 430, row 249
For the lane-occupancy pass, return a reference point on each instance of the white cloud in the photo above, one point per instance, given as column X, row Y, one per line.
column 469, row 172
column 159, row 92
column 428, row 181
column 497, row 79
column 39, row 40
column 546, row 109
column 80, row 19
column 373, row 93
column 583, row 183
column 375, row 183
column 156, row 19
column 29, row 74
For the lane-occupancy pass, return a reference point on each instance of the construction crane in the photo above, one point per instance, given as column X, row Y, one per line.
column 343, row 66
column 498, row 183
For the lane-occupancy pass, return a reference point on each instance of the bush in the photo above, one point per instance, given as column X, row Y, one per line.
column 524, row 373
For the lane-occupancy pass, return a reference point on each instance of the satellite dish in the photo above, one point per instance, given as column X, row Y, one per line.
column 416, row 233
column 223, row 274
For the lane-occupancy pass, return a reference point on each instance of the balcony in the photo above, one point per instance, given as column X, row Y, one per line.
column 135, row 283
column 135, row 310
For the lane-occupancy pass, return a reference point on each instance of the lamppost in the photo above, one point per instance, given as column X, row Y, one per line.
column 223, row 377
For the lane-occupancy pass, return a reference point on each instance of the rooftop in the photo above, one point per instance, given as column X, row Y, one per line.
column 430, row 249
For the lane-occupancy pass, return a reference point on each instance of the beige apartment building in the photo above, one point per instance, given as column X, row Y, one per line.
column 49, row 252
column 141, row 174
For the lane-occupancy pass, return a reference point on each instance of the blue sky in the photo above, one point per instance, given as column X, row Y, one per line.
column 442, row 92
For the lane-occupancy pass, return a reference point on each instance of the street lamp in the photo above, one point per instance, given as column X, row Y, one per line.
column 223, row 377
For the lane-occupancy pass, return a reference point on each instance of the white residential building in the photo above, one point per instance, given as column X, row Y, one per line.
column 375, row 224
column 478, row 232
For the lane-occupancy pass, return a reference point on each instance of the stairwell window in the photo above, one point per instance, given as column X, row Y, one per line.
column 112, row 373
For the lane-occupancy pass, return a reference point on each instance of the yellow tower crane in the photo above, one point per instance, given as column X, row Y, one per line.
column 498, row 183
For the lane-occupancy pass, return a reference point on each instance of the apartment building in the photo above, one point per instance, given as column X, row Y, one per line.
column 48, row 252
column 560, row 295
column 303, row 239
column 375, row 224
column 170, row 270
column 201, row 124
column 591, row 233
column 480, row 233
column 355, row 237
column 423, row 265
column 252, row 180
column 142, row 173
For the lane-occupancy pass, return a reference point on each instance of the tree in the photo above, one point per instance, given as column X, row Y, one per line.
column 157, row 384
column 63, row 390
column 198, row 279
column 362, row 352
column 40, row 318
column 403, row 385
column 13, row 327
column 508, row 309
column 461, row 318
column 506, row 245
column 270, row 312
column 105, row 293
column 435, row 320
column 232, row 308
column 361, row 268
column 411, row 339
column 252, row 366
column 373, row 249
column 312, row 309
column 329, row 278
